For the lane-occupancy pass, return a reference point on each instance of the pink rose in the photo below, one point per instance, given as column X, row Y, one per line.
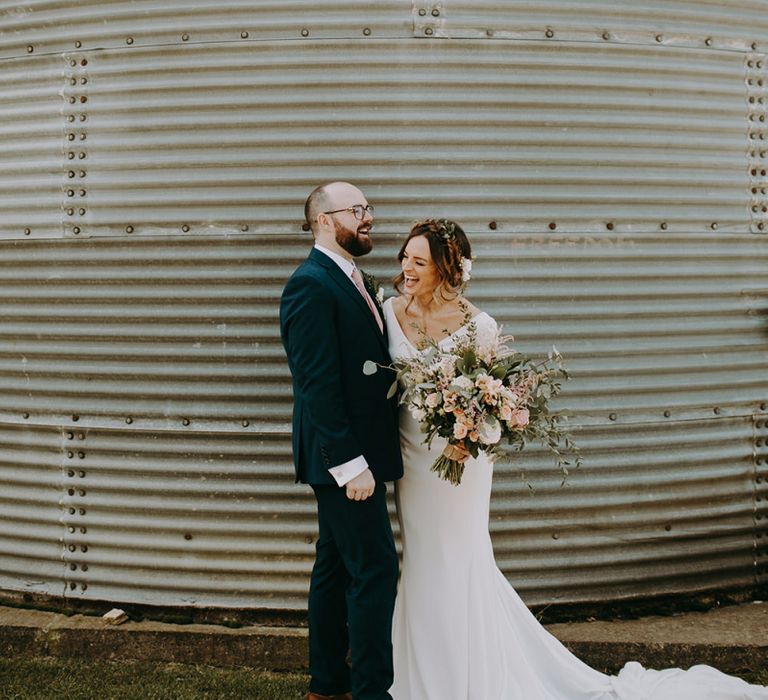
column 432, row 400
column 520, row 417
column 460, row 430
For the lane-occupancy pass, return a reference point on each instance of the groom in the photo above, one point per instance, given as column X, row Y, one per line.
column 345, row 445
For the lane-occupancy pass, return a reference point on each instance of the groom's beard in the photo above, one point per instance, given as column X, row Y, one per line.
column 357, row 242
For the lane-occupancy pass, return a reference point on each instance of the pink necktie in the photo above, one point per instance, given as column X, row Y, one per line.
column 357, row 278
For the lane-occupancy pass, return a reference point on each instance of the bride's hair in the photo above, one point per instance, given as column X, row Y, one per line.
column 448, row 245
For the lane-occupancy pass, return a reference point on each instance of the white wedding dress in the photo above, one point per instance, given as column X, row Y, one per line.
column 460, row 631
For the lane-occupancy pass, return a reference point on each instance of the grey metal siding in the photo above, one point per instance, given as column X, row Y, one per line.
column 607, row 160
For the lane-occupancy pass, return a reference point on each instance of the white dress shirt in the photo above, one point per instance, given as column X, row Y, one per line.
column 344, row 473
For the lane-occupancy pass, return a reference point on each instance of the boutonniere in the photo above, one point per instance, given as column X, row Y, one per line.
column 373, row 284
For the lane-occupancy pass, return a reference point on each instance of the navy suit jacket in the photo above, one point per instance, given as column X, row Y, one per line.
column 339, row 413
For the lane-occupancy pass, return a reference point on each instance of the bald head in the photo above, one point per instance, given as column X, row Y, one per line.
column 332, row 195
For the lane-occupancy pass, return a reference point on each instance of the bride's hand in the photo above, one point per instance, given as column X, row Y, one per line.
column 456, row 453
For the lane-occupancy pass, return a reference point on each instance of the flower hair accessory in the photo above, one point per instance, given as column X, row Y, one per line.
column 466, row 270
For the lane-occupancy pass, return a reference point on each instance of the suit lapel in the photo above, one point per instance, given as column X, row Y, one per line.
column 348, row 286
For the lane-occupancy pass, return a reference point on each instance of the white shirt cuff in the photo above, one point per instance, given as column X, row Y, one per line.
column 344, row 473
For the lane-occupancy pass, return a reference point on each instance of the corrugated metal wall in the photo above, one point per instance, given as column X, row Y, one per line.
column 608, row 161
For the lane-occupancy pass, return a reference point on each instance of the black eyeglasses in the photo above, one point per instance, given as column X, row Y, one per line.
column 358, row 210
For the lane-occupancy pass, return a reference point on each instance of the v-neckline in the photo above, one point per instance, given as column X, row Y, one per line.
column 444, row 338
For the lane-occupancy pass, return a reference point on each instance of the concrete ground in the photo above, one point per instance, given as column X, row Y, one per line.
column 732, row 638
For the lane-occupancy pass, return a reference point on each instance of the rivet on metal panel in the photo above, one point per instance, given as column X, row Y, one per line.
column 435, row 12
column 664, row 226
column 422, row 12
column 308, row 539
column 30, row 48
column 72, row 548
column 489, row 33
column 552, row 225
column 84, row 548
column 129, row 420
column 243, row 35
column 71, row 155
column 81, row 436
column 71, row 529
column 185, row 421
column 70, row 473
column 82, row 511
column 84, row 567
column 82, row 173
column 71, row 492
column 81, row 474
column 73, row 63
column 83, row 81
column 713, row 226
column 81, row 455
column 83, row 118
column 81, row 193
column 245, row 423
column 129, row 229
column 83, row 586
column 185, row 37
column 70, row 455
column 70, row 436
column 129, row 40
column 659, row 38
column 667, row 527
column 81, row 492
column 25, row 415
column 84, row 62
column 71, row 118
column 555, row 536
column 70, row 212
column 429, row 31
column 549, row 34
column 83, row 530
column 606, row 36
column 716, row 410
column 72, row 100
column 708, row 41
column 492, row 225
column 667, row 413
column 305, row 32
column 73, row 81
column 81, row 212
column 185, row 228
column 75, row 418
column 73, row 567
column 367, row 31
column 305, row 227
column 187, row 536
column 244, row 227
column 83, row 99
column 72, row 585
column 72, row 511
column 753, row 46
column 81, row 156
column 71, row 173
column 78, row 44
column 609, row 226
column 76, row 230
column 70, row 193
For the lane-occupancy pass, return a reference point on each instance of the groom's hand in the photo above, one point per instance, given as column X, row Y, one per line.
column 361, row 487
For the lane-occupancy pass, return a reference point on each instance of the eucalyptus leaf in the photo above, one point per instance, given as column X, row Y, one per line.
column 392, row 389
column 370, row 367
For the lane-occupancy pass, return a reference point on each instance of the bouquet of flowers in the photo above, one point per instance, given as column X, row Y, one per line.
column 479, row 391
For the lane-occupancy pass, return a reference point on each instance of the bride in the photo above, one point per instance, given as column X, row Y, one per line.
column 460, row 631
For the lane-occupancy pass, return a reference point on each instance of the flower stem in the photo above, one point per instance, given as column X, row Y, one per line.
column 448, row 469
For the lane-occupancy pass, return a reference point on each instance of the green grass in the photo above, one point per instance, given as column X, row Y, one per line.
column 46, row 679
